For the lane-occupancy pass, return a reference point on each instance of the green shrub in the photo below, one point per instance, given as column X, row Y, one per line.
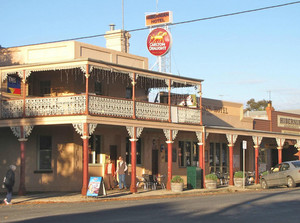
column 238, row 174
column 177, row 179
column 264, row 173
column 211, row 176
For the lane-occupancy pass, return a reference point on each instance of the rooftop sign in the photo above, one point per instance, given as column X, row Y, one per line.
column 159, row 18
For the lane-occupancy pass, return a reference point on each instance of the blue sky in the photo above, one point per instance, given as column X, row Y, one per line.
column 239, row 57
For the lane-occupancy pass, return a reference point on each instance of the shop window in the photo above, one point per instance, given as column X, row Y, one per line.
column 45, row 152
column 174, row 155
column 138, row 151
column 188, row 153
column 218, row 157
column 262, row 156
column 95, row 149
column 45, row 88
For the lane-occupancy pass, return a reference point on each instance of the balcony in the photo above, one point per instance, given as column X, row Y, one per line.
column 98, row 106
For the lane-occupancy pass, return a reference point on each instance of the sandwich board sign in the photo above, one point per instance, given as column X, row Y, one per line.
column 96, row 187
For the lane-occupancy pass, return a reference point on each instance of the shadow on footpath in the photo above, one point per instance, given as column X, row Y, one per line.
column 250, row 210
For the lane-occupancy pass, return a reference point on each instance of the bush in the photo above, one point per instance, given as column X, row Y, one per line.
column 238, row 174
column 264, row 173
column 211, row 176
column 177, row 179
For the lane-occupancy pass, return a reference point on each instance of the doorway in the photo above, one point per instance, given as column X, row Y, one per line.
column 154, row 162
column 113, row 154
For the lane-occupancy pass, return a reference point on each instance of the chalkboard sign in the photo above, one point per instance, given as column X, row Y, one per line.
column 95, row 184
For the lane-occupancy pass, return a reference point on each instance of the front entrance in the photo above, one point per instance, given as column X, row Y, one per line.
column 154, row 162
column 113, row 154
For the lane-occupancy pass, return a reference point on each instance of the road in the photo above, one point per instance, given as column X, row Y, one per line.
column 275, row 205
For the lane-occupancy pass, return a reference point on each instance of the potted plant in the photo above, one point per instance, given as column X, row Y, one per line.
column 211, row 181
column 177, row 184
column 238, row 179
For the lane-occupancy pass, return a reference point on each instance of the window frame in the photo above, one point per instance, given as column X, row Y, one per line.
column 95, row 143
column 47, row 150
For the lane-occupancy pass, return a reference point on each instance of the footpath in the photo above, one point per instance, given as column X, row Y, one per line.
column 117, row 195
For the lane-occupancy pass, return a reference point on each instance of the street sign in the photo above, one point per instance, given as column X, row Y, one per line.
column 244, row 144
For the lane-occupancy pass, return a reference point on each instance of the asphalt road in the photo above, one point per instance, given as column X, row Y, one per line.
column 275, row 205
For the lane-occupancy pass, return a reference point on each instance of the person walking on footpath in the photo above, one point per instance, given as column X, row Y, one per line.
column 109, row 175
column 121, row 169
column 9, row 183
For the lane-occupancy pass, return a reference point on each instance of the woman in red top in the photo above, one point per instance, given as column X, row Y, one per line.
column 109, row 175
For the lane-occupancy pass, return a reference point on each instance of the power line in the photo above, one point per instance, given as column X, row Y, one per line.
column 187, row 21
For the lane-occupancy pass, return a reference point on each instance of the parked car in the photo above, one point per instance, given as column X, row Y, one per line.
column 285, row 173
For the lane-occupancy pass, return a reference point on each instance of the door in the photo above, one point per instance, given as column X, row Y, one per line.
column 273, row 177
column 154, row 162
column 283, row 173
column 113, row 154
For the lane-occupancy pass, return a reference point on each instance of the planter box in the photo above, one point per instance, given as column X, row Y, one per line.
column 238, row 182
column 177, row 187
column 210, row 184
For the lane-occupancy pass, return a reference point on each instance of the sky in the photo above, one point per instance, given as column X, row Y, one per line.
column 253, row 55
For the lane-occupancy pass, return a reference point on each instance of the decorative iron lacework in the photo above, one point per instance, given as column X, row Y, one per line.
column 79, row 128
column 109, row 106
column 12, row 109
column 152, row 111
column 27, row 72
column 130, row 130
column 55, row 106
column 26, row 131
column 297, row 145
column 83, row 69
column 280, row 141
column 167, row 134
column 187, row 115
column 257, row 140
column 231, row 138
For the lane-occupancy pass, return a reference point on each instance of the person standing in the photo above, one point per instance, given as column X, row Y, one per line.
column 9, row 183
column 121, row 169
column 109, row 175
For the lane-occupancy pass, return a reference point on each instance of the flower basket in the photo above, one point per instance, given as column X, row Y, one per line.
column 238, row 179
column 177, row 184
column 211, row 181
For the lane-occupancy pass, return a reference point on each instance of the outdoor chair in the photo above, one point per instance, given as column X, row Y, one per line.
column 150, row 181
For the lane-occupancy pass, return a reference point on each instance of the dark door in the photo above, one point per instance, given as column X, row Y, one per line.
column 113, row 154
column 155, row 162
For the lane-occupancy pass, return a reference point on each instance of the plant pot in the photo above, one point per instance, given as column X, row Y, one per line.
column 177, row 187
column 210, row 184
column 238, row 182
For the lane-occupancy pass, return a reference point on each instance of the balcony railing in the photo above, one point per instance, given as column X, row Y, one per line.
column 98, row 105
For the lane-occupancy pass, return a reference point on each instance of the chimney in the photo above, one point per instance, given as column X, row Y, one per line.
column 269, row 110
column 117, row 39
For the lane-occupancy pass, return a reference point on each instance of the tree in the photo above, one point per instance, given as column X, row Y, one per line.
column 252, row 105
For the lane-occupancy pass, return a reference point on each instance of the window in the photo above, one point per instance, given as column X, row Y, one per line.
column 138, row 151
column 174, row 155
column 45, row 153
column 94, row 149
column 188, row 153
column 218, row 157
column 45, row 87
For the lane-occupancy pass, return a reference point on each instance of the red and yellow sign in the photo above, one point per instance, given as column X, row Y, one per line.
column 159, row 18
column 159, row 42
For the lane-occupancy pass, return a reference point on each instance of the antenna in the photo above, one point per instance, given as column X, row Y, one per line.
column 269, row 94
column 156, row 5
column 122, row 14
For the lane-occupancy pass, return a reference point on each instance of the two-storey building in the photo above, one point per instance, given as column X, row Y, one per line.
column 68, row 106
